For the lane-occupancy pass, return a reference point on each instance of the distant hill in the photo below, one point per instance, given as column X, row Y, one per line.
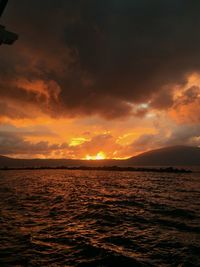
column 3, row 157
column 26, row 163
column 168, row 156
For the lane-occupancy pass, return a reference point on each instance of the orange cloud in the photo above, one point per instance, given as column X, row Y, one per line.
column 47, row 89
column 186, row 107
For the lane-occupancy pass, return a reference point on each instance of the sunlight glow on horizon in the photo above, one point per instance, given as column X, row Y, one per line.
column 99, row 156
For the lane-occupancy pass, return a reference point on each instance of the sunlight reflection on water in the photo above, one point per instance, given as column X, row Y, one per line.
column 94, row 218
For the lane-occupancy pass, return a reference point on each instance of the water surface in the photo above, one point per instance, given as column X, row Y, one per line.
column 94, row 218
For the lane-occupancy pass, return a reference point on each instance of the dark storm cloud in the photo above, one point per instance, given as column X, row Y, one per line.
column 102, row 55
column 163, row 99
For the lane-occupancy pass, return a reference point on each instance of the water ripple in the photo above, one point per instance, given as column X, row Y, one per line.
column 78, row 218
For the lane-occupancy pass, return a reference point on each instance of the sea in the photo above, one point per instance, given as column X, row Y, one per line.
column 99, row 218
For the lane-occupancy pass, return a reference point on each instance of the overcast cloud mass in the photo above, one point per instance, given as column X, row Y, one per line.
column 112, row 60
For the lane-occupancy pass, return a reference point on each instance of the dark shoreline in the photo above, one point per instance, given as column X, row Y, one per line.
column 105, row 168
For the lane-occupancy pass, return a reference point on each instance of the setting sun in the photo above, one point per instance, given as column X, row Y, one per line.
column 99, row 156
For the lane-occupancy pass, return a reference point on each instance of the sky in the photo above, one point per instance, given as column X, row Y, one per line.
column 99, row 78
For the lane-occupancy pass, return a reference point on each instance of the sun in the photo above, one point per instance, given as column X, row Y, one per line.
column 99, row 156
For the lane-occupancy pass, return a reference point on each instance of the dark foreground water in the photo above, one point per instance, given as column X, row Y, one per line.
column 81, row 218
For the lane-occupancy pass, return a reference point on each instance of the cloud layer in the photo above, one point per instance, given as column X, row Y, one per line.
column 97, row 57
column 127, row 73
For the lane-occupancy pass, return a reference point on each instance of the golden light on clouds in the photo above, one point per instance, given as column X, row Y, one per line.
column 77, row 141
column 128, row 138
column 95, row 138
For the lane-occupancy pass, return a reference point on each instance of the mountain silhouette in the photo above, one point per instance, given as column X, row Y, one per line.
column 168, row 156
